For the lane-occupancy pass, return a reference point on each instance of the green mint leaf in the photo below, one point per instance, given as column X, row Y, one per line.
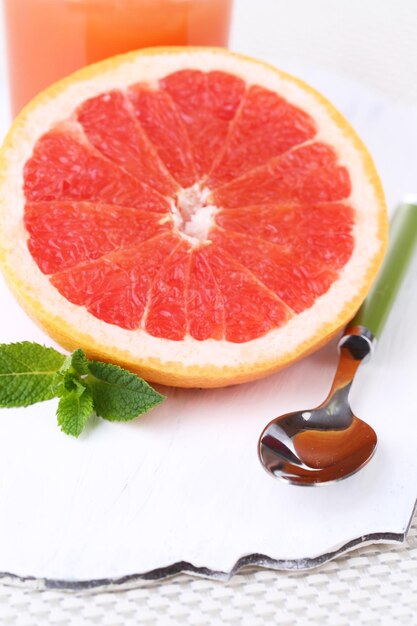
column 74, row 409
column 75, row 362
column 118, row 394
column 27, row 371
column 74, row 366
column 79, row 362
column 58, row 383
column 66, row 366
column 68, row 382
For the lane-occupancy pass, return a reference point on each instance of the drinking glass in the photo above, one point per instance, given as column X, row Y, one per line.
column 48, row 39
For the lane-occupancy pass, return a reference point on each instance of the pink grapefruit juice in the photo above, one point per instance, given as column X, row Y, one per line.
column 48, row 39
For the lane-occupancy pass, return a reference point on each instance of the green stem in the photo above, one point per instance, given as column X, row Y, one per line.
column 403, row 238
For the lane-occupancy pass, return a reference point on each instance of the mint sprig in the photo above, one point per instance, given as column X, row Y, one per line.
column 31, row 373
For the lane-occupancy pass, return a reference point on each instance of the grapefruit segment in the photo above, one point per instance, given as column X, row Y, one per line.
column 207, row 102
column 166, row 309
column 111, row 127
column 63, row 234
column 265, row 127
column 159, row 117
column 307, row 174
column 65, row 167
column 205, row 307
column 250, row 309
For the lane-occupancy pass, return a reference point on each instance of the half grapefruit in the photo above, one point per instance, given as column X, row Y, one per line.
column 192, row 214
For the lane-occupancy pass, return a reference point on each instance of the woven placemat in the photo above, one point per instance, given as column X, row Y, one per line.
column 372, row 585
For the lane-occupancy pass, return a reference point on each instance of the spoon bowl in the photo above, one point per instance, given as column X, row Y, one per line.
column 327, row 443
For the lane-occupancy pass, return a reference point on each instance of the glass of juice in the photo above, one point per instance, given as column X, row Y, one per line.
column 48, row 39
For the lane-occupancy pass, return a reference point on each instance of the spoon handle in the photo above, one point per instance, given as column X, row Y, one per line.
column 402, row 242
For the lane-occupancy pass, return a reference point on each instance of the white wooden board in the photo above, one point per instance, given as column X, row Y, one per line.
column 182, row 487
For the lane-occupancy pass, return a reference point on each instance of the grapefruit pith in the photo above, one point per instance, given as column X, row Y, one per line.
column 197, row 216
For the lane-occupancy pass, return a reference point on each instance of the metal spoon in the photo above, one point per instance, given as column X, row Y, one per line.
column 329, row 443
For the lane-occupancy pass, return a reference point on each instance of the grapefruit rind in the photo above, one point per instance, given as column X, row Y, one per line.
column 188, row 363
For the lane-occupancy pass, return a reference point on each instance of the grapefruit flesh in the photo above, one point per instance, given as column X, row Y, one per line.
column 111, row 157
column 196, row 207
